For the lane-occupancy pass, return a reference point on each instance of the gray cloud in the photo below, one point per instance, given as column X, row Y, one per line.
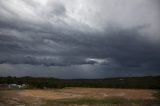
column 64, row 34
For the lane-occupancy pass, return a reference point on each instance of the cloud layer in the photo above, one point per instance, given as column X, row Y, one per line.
column 117, row 35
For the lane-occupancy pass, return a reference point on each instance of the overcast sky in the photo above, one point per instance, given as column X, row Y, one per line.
column 79, row 38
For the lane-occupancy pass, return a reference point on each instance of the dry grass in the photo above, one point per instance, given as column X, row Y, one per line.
column 81, row 96
column 89, row 92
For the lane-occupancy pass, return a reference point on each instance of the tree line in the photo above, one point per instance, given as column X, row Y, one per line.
column 147, row 82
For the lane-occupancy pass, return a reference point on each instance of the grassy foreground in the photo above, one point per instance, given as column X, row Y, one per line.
column 80, row 97
column 101, row 102
column 104, row 102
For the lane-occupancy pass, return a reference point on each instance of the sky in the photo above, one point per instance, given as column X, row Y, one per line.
column 79, row 38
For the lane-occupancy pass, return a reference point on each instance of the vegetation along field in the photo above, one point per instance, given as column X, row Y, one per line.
column 135, row 91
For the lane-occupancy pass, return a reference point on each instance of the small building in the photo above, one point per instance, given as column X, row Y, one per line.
column 16, row 86
column 13, row 86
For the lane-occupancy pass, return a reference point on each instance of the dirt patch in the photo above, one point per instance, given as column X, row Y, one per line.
column 12, row 98
column 48, row 94
column 103, row 93
column 89, row 92
column 38, row 97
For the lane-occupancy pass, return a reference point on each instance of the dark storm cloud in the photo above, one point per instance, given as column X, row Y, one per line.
column 123, row 47
column 54, row 34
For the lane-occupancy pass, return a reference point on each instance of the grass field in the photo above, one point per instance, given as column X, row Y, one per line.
column 80, row 97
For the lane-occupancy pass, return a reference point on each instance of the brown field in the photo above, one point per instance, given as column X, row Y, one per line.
column 42, row 97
